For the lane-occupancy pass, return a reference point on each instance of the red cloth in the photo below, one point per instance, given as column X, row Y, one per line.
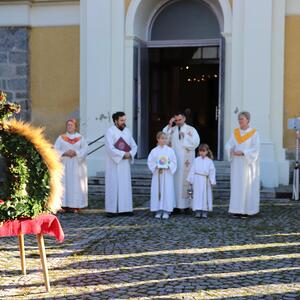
column 43, row 224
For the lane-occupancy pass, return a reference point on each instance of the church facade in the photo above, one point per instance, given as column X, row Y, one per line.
column 150, row 58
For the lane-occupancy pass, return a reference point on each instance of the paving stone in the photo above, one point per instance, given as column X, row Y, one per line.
column 183, row 258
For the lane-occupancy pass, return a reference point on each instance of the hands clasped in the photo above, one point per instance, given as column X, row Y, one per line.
column 70, row 153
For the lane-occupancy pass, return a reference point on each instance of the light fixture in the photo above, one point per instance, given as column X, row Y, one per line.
column 187, row 67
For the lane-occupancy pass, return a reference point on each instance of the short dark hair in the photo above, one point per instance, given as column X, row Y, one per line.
column 177, row 113
column 117, row 115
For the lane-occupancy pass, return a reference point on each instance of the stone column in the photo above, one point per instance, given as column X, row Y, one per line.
column 102, row 69
column 95, row 74
column 253, row 22
column 14, row 66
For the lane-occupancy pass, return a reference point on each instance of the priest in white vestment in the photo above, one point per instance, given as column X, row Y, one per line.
column 184, row 139
column 243, row 152
column 162, row 163
column 120, row 151
column 73, row 150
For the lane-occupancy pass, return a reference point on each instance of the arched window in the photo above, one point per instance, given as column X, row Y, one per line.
column 185, row 20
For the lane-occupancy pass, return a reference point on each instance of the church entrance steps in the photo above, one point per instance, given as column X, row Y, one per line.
column 141, row 182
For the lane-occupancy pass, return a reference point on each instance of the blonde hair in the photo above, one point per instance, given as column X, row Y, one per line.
column 206, row 148
column 159, row 134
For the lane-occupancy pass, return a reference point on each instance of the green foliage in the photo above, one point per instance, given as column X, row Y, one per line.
column 27, row 178
column 26, row 188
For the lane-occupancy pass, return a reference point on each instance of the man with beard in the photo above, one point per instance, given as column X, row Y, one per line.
column 120, row 151
column 184, row 139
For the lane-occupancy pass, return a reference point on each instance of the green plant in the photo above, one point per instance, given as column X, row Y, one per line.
column 26, row 187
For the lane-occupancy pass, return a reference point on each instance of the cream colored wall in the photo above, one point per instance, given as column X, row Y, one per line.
column 292, row 76
column 54, row 65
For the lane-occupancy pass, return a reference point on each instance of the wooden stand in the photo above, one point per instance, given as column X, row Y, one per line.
column 40, row 241
column 22, row 253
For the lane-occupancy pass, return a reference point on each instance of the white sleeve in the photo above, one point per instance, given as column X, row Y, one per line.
column 151, row 162
column 168, row 131
column 133, row 150
column 115, row 154
column 82, row 153
column 212, row 173
column 252, row 153
column 58, row 146
column 191, row 175
column 229, row 147
column 173, row 161
column 191, row 142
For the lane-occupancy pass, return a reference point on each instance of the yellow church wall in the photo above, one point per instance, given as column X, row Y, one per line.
column 127, row 2
column 54, row 65
column 292, row 76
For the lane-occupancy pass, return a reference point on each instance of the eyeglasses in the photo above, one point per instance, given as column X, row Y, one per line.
column 202, row 150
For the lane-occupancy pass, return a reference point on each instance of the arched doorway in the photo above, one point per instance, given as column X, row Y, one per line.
column 178, row 64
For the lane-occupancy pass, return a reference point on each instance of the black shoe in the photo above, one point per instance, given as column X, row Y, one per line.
column 235, row 216
column 176, row 211
column 244, row 216
column 111, row 215
column 127, row 214
column 187, row 211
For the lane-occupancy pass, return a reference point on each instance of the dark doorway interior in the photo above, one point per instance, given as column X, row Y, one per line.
column 185, row 79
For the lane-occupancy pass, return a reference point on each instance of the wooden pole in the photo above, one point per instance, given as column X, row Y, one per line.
column 22, row 253
column 40, row 240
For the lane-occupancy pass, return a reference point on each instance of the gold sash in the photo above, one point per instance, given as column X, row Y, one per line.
column 243, row 138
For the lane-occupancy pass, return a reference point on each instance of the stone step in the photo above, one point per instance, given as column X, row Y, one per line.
column 219, row 192
column 144, row 180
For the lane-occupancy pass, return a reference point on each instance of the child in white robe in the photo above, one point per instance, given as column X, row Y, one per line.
column 162, row 163
column 202, row 176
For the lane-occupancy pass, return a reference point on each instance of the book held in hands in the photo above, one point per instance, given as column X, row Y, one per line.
column 121, row 145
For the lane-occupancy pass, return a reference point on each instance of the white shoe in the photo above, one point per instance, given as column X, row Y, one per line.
column 204, row 214
column 158, row 215
column 198, row 214
column 165, row 216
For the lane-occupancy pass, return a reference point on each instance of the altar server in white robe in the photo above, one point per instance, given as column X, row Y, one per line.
column 73, row 149
column 202, row 176
column 162, row 163
column 184, row 139
column 120, row 151
column 243, row 152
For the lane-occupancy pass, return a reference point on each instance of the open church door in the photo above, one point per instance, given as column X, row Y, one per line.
column 142, row 101
column 220, row 107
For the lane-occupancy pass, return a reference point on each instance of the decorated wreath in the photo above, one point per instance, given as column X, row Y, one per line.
column 32, row 180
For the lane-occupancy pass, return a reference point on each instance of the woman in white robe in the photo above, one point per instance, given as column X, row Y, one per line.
column 202, row 176
column 243, row 152
column 73, row 149
column 162, row 186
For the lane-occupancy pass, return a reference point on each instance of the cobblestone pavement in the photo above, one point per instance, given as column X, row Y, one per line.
column 140, row 257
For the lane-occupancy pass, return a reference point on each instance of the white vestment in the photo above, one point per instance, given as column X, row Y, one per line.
column 162, row 185
column 202, row 176
column 245, row 174
column 75, row 170
column 118, row 190
column 185, row 153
